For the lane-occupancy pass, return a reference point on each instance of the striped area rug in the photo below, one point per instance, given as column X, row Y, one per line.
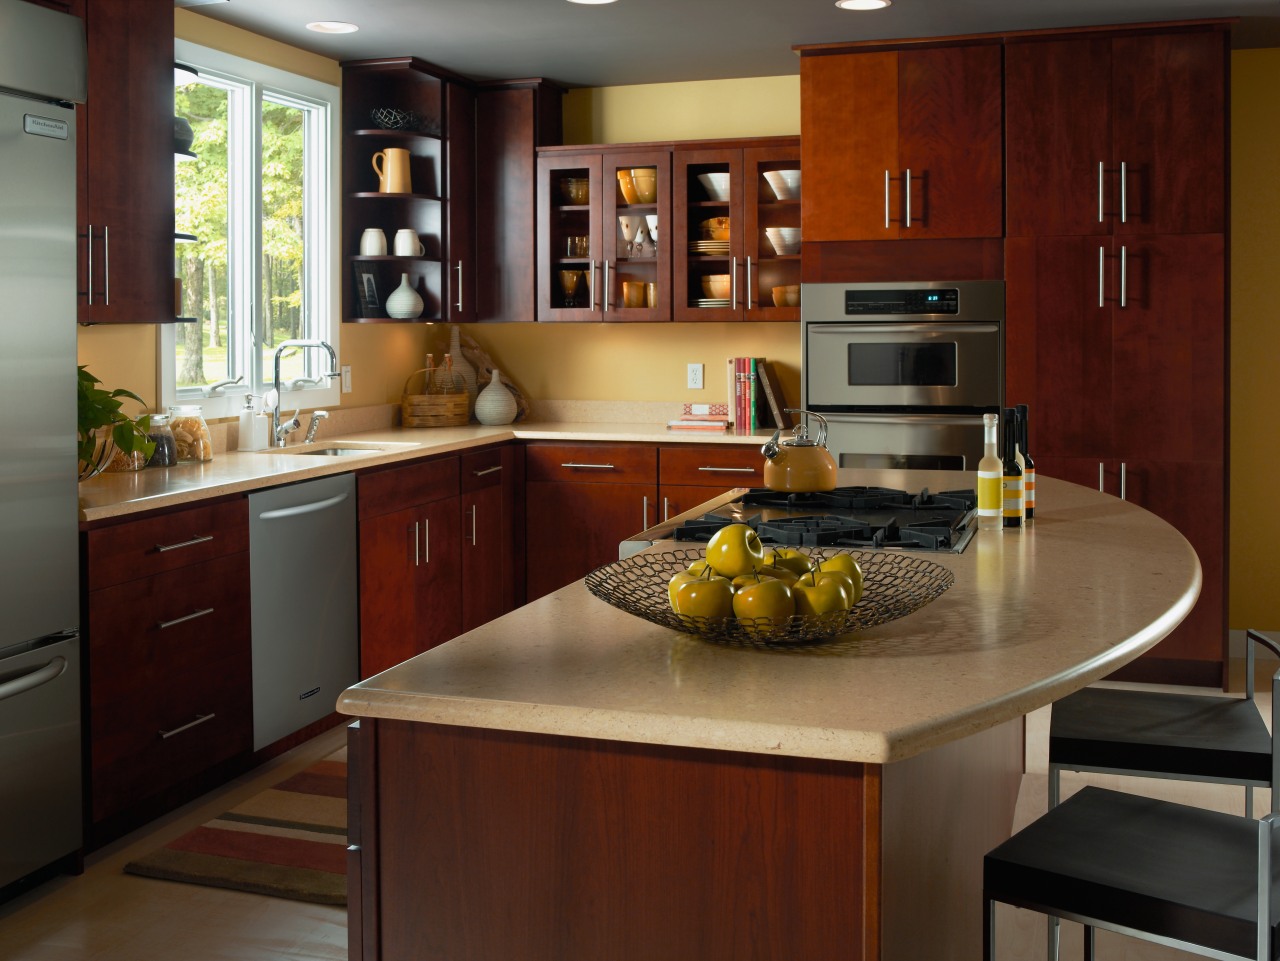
column 288, row 841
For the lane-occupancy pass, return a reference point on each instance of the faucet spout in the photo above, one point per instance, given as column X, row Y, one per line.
column 280, row 432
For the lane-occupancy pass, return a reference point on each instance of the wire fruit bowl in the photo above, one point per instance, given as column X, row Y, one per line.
column 894, row 585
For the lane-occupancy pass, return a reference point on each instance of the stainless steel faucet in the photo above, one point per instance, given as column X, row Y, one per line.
column 316, row 417
column 280, row 432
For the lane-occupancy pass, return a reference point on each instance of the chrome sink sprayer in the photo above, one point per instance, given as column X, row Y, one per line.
column 280, row 432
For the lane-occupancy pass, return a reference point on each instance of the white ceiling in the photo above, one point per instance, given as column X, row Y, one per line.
column 654, row 41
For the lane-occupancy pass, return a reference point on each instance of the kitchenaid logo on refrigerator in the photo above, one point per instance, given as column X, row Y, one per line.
column 45, row 127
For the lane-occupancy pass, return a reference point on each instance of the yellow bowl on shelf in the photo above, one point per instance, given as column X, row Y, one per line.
column 716, row 228
column 786, row 296
column 716, row 285
column 575, row 190
column 628, row 187
column 645, row 180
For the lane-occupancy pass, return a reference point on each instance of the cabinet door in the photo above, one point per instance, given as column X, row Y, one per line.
column 569, row 266
column 708, row 233
column 488, row 537
column 126, row 149
column 574, row 528
column 1168, row 131
column 1059, row 341
column 631, row 261
column 1058, row 130
column 409, row 583
column 771, row 281
column 950, row 139
column 849, row 145
column 460, row 208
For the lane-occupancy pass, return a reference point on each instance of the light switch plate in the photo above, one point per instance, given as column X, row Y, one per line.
column 346, row 379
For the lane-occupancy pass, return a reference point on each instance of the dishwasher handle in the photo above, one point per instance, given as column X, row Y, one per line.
column 33, row 679
column 283, row 512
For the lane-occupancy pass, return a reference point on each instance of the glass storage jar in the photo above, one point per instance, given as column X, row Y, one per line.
column 190, row 433
column 166, row 452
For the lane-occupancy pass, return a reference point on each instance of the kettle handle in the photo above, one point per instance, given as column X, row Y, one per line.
column 822, row 423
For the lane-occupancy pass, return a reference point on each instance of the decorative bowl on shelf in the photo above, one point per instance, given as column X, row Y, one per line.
column 628, row 187
column 575, row 190
column 785, row 183
column 786, row 296
column 716, row 285
column 645, row 180
column 715, row 228
column 894, row 585
column 393, row 118
column 716, row 185
column 785, row 240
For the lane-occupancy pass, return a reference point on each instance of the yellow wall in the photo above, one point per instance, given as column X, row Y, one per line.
column 1255, row 339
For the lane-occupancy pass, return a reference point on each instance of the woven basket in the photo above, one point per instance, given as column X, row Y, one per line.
column 433, row 410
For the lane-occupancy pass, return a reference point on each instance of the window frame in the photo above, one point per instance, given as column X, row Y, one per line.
column 321, row 275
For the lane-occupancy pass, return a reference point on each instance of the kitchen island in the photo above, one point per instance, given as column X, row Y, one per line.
column 570, row 782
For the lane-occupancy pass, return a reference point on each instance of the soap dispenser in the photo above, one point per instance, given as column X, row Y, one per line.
column 254, row 427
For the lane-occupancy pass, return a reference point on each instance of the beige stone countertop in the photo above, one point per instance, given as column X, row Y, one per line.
column 109, row 496
column 1031, row 617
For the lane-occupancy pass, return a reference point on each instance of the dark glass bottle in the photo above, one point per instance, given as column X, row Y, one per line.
column 1012, row 483
column 1029, row 465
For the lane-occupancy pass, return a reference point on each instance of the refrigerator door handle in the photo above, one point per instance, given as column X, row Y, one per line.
column 33, row 679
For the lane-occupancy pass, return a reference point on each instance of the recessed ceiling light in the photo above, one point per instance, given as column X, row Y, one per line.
column 592, row 1
column 332, row 26
column 863, row 4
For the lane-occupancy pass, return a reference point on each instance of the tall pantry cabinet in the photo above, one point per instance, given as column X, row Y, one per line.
column 1116, row 286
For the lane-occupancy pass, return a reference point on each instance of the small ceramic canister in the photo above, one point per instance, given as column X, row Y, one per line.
column 373, row 243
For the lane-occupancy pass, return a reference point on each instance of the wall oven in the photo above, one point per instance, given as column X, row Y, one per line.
column 904, row 371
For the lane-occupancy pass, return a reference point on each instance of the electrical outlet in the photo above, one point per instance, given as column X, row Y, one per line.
column 695, row 377
column 346, row 379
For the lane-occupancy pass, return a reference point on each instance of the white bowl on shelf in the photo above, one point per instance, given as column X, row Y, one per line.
column 785, row 240
column 785, row 183
column 716, row 185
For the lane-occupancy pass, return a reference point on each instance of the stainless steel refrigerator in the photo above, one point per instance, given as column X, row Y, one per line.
column 42, row 71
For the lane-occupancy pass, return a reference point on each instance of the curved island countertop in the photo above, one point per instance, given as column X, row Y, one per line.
column 1092, row 583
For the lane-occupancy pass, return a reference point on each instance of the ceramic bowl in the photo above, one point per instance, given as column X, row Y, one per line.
column 785, row 240
column 786, row 296
column 646, row 183
column 716, row 285
column 576, row 190
column 717, row 228
column 785, row 183
column 628, row 187
column 716, row 185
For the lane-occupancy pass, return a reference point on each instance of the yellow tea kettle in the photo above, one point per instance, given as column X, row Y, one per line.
column 800, row 463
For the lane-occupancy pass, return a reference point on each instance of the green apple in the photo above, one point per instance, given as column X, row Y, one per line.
column 710, row 596
column 735, row 549
column 817, row 593
column 768, row 598
column 678, row 579
column 848, row 564
column 790, row 558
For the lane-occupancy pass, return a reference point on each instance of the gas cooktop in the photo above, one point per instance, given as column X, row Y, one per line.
column 871, row 518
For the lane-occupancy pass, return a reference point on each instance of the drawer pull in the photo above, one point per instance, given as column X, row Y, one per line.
column 200, row 719
column 729, row 470
column 591, row 466
column 161, row 548
column 182, row 620
column 488, row 470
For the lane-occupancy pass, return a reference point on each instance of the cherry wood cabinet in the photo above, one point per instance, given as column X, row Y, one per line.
column 459, row 204
column 492, row 581
column 591, row 285
column 169, row 689
column 125, row 147
column 410, row 579
column 755, row 266
column 581, row 501
column 902, row 143
column 1117, row 134
column 690, row 474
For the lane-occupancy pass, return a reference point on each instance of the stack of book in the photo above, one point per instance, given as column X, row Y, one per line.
column 702, row 417
column 755, row 396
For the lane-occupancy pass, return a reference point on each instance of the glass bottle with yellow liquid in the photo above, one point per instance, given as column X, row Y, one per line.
column 990, row 476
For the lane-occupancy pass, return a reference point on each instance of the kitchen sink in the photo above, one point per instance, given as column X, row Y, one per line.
column 336, row 451
column 339, row 449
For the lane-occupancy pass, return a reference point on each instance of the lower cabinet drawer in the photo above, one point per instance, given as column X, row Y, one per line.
column 170, row 690
column 721, row 466
column 592, row 463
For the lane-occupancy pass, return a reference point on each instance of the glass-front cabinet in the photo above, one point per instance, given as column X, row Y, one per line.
column 736, row 232
column 602, row 219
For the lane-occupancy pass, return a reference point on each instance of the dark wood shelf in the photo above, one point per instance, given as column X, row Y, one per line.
column 394, row 257
column 373, row 194
column 407, row 136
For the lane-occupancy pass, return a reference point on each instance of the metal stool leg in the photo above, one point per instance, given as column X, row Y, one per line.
column 1054, row 926
column 1248, row 800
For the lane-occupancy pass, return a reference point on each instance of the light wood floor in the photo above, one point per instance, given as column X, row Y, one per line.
column 106, row 915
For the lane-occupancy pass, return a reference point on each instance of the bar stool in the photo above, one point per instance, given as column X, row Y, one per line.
column 1190, row 737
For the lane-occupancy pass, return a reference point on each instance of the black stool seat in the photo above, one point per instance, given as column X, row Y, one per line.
column 1118, row 859
column 1144, row 731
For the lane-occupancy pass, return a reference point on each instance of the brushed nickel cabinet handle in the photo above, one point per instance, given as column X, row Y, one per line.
column 106, row 267
column 733, row 283
column 459, row 303
column 604, row 294
column 728, row 470
column 182, row 620
column 1101, row 171
column 590, row 466
column 1124, row 192
column 487, row 470
column 644, row 512
column 161, row 548
column 426, row 540
column 748, row 281
column 417, row 549
column 666, row 508
column 1124, row 481
column 200, row 719
column 1100, row 479
column 591, row 286
column 886, row 200
column 89, row 234
column 1101, row 272
column 907, row 188
column 1124, row 276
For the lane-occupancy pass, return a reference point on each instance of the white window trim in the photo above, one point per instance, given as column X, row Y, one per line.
column 323, row 230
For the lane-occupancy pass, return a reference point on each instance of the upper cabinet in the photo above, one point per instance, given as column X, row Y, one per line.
column 1118, row 134
column 459, row 208
column 126, row 163
column 602, row 217
column 394, row 155
column 902, row 144
column 736, row 231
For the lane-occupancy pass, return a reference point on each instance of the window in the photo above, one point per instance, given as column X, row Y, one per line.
column 255, row 255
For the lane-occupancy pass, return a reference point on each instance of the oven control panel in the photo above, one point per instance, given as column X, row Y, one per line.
column 932, row 300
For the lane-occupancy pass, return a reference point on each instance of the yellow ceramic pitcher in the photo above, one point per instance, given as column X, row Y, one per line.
column 393, row 171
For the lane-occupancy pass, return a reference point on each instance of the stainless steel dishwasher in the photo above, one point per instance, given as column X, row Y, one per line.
column 302, row 560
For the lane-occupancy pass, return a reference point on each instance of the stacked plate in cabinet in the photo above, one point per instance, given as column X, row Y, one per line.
column 709, row 247
column 711, row 302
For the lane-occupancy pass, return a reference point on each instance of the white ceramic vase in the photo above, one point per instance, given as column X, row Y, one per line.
column 404, row 303
column 494, row 404
column 461, row 366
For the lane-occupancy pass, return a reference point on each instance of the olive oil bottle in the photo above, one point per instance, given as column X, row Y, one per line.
column 1028, row 465
column 1012, row 475
column 990, row 476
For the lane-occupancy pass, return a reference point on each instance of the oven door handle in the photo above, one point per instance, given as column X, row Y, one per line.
column 937, row 420
column 906, row 327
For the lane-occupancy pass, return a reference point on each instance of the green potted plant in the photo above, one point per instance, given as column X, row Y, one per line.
column 102, row 428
